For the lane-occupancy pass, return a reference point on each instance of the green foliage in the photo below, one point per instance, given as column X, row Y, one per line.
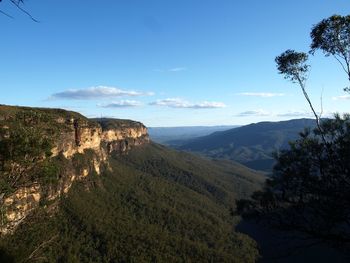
column 52, row 122
column 49, row 172
column 309, row 191
column 293, row 65
column 26, row 139
column 332, row 36
column 5, row 186
column 21, row 148
column 3, row 218
column 22, row 144
column 110, row 124
column 156, row 205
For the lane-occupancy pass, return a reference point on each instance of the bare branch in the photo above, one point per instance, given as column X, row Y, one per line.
column 17, row 4
column 43, row 244
column 6, row 14
column 342, row 65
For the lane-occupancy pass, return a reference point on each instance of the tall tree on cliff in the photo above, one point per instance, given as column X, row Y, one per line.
column 309, row 192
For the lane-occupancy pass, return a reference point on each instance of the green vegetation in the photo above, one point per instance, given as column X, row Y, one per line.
column 331, row 36
column 309, row 190
column 49, row 172
column 50, row 122
column 21, row 149
column 110, row 124
column 156, row 205
column 36, row 115
column 27, row 136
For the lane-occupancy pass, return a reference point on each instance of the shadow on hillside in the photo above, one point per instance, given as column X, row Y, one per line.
column 285, row 247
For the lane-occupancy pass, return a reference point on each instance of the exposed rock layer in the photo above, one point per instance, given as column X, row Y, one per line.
column 78, row 136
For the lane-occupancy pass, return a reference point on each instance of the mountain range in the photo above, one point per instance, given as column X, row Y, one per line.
column 252, row 145
column 176, row 135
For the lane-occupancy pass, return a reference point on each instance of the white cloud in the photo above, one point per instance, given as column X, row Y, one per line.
column 288, row 114
column 180, row 103
column 296, row 114
column 250, row 113
column 261, row 94
column 305, row 114
column 343, row 97
column 177, row 69
column 97, row 93
column 121, row 104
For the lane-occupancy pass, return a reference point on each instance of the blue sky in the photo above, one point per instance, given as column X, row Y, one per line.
column 166, row 62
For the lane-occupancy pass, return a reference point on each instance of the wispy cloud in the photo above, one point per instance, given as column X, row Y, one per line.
column 121, row 104
column 295, row 114
column 177, row 69
column 180, row 103
column 261, row 94
column 99, row 92
column 343, row 97
column 288, row 114
column 256, row 113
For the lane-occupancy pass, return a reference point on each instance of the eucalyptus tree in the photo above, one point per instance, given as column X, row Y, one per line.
column 332, row 37
column 293, row 65
column 309, row 191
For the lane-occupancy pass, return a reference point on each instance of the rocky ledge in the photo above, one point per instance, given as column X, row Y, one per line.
column 72, row 135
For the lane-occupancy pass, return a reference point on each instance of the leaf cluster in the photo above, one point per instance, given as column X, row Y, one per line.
column 293, row 65
column 332, row 36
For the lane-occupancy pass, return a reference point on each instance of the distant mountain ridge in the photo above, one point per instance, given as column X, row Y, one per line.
column 175, row 135
column 251, row 145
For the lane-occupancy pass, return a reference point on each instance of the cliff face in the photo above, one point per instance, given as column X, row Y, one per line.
column 85, row 136
column 74, row 138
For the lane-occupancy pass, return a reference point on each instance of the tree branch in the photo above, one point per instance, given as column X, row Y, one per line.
column 43, row 244
column 342, row 65
column 6, row 14
column 17, row 3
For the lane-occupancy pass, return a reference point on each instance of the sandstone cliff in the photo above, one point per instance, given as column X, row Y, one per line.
column 81, row 146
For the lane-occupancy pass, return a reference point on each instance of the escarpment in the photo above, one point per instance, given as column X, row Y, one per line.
column 116, row 135
column 43, row 151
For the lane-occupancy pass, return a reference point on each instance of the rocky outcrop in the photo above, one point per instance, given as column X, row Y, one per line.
column 24, row 200
column 86, row 136
column 121, row 141
column 17, row 206
column 103, row 137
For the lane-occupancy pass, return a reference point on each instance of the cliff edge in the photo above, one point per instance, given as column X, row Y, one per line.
column 43, row 151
